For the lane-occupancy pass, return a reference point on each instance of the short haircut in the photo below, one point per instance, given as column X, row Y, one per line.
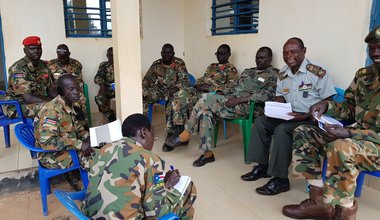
column 63, row 46
column 266, row 49
column 109, row 49
column 133, row 123
column 300, row 42
column 167, row 45
column 226, row 46
column 64, row 77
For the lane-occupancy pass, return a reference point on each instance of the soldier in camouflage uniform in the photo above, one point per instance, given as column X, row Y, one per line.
column 30, row 81
column 164, row 78
column 219, row 77
column 127, row 179
column 255, row 84
column 104, row 78
column 63, row 64
column 56, row 127
column 302, row 84
column 347, row 150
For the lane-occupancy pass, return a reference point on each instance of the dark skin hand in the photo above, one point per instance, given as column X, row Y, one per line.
column 336, row 132
column 319, row 107
column 86, row 149
column 233, row 101
column 171, row 178
column 202, row 87
column 30, row 98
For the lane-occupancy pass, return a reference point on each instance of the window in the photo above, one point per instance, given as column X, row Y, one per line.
column 234, row 16
column 87, row 18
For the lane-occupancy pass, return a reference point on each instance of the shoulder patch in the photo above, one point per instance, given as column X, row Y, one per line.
column 159, row 179
column 316, row 70
column 364, row 71
column 282, row 76
column 18, row 75
column 49, row 121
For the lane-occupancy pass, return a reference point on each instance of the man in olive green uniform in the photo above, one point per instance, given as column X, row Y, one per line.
column 64, row 64
column 347, row 150
column 255, row 84
column 219, row 77
column 30, row 81
column 302, row 84
column 56, row 127
column 104, row 78
column 127, row 180
column 164, row 78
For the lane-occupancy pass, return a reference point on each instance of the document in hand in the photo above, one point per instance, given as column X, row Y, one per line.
column 278, row 110
column 327, row 120
column 182, row 185
column 106, row 133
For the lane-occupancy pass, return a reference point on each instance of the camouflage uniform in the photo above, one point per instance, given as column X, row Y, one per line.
column 24, row 78
column 220, row 77
column 74, row 67
column 346, row 157
column 126, row 182
column 105, row 76
column 259, row 85
column 56, row 128
column 308, row 86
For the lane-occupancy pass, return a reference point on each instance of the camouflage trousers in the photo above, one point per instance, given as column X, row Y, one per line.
column 346, row 158
column 62, row 160
column 184, row 206
column 103, row 100
column 203, row 117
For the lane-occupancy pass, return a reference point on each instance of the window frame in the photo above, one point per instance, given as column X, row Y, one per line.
column 235, row 16
column 103, row 10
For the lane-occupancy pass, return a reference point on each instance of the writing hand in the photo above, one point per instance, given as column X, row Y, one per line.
column 172, row 178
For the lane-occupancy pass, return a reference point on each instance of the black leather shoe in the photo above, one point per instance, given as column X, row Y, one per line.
column 274, row 186
column 73, row 181
column 202, row 160
column 257, row 172
column 174, row 141
column 167, row 148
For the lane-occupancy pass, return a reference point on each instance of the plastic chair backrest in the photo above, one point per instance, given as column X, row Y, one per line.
column 191, row 79
column 339, row 97
column 88, row 108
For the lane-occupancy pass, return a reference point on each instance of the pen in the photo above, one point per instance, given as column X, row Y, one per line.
column 171, row 167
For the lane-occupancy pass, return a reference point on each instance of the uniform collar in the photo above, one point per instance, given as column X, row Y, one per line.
column 302, row 68
column 67, row 108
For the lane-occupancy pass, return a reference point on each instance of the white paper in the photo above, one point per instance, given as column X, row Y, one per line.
column 326, row 120
column 106, row 133
column 182, row 185
column 278, row 110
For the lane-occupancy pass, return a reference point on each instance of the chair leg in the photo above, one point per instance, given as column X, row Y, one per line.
column 7, row 136
column 216, row 131
column 43, row 190
column 225, row 129
column 150, row 112
column 245, row 142
column 359, row 184
column 84, row 177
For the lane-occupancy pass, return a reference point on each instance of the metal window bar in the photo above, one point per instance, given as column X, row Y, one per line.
column 243, row 17
column 97, row 20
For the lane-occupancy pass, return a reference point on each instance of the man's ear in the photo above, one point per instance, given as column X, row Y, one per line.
column 143, row 133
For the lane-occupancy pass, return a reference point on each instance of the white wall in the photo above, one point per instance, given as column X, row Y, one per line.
column 333, row 32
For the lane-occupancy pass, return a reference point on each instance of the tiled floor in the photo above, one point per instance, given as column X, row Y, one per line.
column 221, row 193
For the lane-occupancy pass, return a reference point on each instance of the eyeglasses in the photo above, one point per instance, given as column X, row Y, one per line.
column 61, row 50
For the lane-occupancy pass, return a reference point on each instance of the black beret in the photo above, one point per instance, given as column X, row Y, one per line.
column 373, row 35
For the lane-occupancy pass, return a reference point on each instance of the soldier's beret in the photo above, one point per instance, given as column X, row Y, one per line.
column 31, row 40
column 373, row 35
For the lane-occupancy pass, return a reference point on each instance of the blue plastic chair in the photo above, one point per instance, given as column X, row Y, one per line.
column 67, row 199
column 5, row 121
column 25, row 135
column 163, row 101
column 339, row 97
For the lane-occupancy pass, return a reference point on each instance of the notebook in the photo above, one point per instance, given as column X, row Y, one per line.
column 182, row 185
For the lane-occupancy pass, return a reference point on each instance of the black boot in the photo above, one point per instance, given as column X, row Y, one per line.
column 72, row 178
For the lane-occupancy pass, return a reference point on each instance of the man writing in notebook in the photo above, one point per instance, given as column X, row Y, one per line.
column 127, row 179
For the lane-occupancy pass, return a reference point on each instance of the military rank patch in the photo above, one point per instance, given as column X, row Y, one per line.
column 282, row 76
column 159, row 179
column 316, row 70
column 49, row 121
column 18, row 75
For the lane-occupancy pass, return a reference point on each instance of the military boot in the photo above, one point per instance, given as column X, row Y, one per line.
column 344, row 213
column 312, row 208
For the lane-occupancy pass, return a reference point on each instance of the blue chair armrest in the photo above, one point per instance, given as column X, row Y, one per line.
column 67, row 199
column 169, row 216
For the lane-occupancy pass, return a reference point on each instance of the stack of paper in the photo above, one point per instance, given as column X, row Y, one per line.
column 327, row 120
column 278, row 110
column 182, row 185
column 106, row 133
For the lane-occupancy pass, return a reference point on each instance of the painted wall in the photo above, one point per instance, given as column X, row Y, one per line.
column 332, row 34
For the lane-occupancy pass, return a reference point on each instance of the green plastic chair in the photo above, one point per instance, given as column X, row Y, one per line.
column 245, row 125
column 88, row 108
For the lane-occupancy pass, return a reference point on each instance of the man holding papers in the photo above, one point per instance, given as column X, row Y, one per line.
column 127, row 180
column 302, row 84
column 348, row 151
column 57, row 127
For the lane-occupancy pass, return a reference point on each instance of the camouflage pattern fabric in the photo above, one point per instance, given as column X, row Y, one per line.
column 105, row 76
column 220, row 77
column 259, row 85
column 24, row 78
column 346, row 157
column 74, row 67
column 126, row 182
column 57, row 128
column 160, row 79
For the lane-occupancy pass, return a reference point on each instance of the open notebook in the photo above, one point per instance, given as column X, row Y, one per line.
column 106, row 133
column 182, row 185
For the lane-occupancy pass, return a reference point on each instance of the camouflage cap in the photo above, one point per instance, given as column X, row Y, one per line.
column 373, row 35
